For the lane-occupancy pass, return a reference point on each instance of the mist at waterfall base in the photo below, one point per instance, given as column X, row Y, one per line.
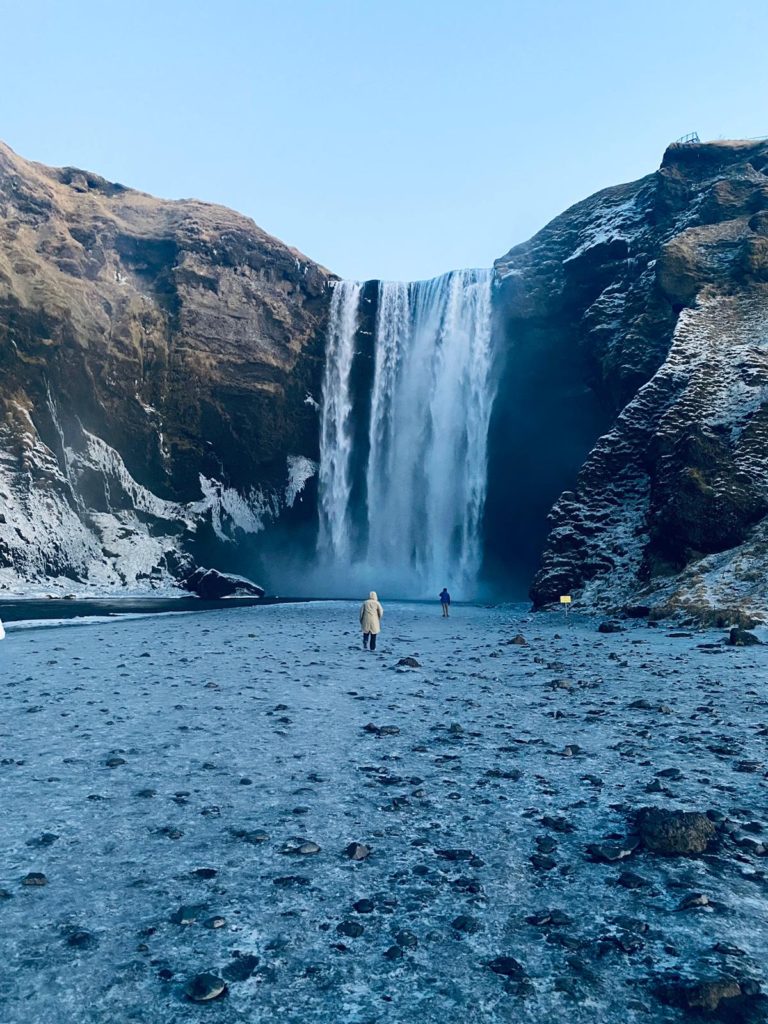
column 448, row 429
column 408, row 390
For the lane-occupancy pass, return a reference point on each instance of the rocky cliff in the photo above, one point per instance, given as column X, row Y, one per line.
column 646, row 307
column 159, row 365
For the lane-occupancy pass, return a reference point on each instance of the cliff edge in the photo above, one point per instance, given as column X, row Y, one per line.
column 660, row 288
column 158, row 367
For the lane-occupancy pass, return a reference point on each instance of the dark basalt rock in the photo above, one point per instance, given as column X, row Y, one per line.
column 43, row 840
column 631, row 880
column 508, row 967
column 300, row 846
column 357, row 851
column 241, row 968
column 364, row 906
column 34, row 878
column 291, row 881
column 188, row 914
column 352, row 929
column 455, row 855
column 726, row 998
column 381, row 730
column 211, row 585
column 549, row 918
column 205, row 987
column 406, row 940
column 466, row 923
column 742, row 638
column 674, row 833
column 614, row 850
column 610, row 627
column 79, row 938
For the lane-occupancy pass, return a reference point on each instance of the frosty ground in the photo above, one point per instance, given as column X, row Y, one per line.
column 161, row 769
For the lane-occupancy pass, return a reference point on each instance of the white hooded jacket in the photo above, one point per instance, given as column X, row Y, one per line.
column 370, row 614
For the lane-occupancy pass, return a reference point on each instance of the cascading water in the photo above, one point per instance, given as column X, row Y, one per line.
column 417, row 526
column 335, row 426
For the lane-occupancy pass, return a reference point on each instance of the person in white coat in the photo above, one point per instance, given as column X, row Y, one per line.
column 371, row 614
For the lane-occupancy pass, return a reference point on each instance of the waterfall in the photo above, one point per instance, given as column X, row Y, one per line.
column 335, row 422
column 417, row 526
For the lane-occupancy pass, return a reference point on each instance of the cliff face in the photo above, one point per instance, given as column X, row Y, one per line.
column 650, row 304
column 160, row 368
column 159, row 362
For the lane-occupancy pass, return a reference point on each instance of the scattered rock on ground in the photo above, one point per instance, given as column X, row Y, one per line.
column 34, row 878
column 674, row 833
column 507, row 966
column 357, row 851
column 205, row 987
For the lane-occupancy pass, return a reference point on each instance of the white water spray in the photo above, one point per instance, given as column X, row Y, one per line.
column 335, row 422
column 430, row 406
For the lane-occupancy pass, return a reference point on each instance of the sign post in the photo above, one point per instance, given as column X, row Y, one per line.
column 565, row 601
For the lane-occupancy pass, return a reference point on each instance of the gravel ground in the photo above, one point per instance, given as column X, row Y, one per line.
column 188, row 786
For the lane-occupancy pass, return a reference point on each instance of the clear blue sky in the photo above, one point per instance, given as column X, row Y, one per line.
column 384, row 138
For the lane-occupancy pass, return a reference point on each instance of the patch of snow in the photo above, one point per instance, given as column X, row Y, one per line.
column 48, row 534
column 300, row 470
column 148, row 409
column 100, row 456
column 610, row 222
column 232, row 510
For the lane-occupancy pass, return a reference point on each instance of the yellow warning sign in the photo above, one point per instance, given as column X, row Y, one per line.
column 565, row 599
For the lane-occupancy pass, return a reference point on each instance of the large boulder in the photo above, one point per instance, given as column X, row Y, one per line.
column 725, row 998
column 212, row 585
column 674, row 833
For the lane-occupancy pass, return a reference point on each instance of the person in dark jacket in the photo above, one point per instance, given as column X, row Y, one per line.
column 445, row 602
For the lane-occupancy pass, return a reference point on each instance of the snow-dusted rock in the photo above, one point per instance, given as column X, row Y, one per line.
column 212, row 584
column 154, row 362
column 644, row 311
